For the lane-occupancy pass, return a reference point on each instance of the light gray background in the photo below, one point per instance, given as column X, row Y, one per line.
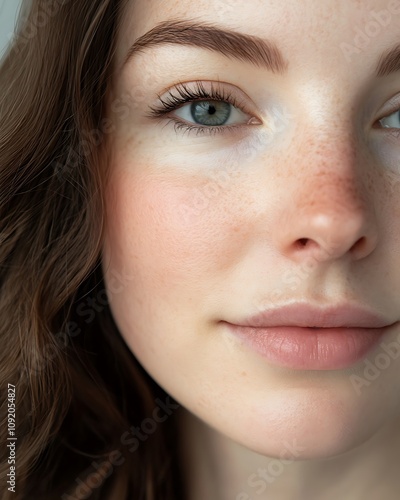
column 8, row 14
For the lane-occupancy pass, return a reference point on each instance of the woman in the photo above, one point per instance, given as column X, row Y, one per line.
column 199, row 226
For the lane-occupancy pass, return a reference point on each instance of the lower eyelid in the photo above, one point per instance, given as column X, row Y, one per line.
column 204, row 130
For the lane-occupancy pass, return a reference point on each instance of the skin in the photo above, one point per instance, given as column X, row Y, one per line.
column 325, row 173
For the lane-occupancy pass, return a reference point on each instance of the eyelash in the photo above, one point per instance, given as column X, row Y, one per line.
column 172, row 103
column 187, row 95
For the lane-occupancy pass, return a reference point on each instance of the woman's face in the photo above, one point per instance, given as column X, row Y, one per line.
column 285, row 188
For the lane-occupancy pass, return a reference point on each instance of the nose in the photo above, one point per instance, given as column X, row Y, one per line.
column 329, row 213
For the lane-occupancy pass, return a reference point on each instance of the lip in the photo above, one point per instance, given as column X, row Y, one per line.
column 307, row 315
column 345, row 334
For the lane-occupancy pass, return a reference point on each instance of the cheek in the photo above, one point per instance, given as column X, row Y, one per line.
column 172, row 255
column 171, row 231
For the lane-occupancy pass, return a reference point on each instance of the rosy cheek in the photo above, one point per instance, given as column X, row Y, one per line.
column 172, row 229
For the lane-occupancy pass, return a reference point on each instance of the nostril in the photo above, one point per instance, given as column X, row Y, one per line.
column 303, row 242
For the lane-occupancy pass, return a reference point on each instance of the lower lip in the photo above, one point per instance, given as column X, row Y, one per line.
column 308, row 348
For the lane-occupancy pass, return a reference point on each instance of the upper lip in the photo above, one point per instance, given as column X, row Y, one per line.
column 306, row 315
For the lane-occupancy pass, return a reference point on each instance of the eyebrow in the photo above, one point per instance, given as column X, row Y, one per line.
column 257, row 51
column 389, row 62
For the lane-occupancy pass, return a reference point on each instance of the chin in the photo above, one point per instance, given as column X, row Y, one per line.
column 296, row 424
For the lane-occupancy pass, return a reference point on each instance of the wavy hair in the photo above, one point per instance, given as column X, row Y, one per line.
column 78, row 388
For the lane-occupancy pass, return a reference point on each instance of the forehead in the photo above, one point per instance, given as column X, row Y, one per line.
column 295, row 24
column 304, row 30
column 314, row 36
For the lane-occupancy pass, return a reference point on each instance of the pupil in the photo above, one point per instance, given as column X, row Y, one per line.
column 211, row 113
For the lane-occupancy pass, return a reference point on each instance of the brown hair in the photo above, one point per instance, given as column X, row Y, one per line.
column 78, row 388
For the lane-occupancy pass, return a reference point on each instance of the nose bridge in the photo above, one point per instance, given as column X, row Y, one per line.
column 326, row 101
column 330, row 170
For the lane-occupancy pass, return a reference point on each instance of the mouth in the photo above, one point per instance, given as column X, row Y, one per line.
column 304, row 337
column 310, row 348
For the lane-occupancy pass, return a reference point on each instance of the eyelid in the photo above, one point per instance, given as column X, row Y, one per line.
column 242, row 99
column 391, row 107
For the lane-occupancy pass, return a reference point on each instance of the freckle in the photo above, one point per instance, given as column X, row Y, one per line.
column 243, row 374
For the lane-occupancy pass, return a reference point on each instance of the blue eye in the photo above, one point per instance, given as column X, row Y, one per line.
column 211, row 114
column 202, row 111
column 393, row 120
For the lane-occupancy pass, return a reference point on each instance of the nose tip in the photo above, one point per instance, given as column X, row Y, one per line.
column 326, row 231
column 327, row 238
